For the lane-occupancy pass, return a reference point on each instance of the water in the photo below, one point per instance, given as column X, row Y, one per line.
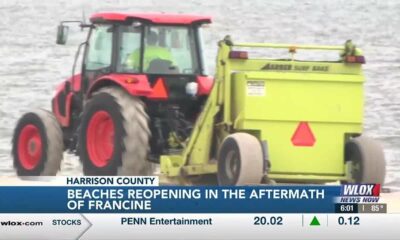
column 32, row 64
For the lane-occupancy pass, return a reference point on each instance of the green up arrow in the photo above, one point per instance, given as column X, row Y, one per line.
column 315, row 222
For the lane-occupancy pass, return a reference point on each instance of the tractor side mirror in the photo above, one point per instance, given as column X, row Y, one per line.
column 62, row 34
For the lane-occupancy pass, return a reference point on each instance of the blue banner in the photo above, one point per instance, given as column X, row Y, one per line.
column 168, row 199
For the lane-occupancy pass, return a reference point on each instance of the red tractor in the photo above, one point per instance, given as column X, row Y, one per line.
column 141, row 87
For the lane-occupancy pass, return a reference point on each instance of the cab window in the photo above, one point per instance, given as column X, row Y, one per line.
column 170, row 49
column 129, row 49
column 167, row 50
column 100, row 48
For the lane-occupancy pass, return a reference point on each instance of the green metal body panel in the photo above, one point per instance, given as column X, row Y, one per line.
column 270, row 98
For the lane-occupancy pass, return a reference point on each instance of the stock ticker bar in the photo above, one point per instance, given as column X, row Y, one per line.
column 199, row 226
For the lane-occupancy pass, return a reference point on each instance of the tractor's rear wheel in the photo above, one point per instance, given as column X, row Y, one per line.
column 367, row 160
column 114, row 134
column 37, row 144
column 240, row 160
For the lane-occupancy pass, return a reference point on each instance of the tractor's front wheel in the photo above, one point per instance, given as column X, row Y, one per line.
column 114, row 134
column 37, row 144
column 367, row 160
column 240, row 160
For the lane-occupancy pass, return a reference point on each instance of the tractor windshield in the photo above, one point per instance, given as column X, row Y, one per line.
column 167, row 50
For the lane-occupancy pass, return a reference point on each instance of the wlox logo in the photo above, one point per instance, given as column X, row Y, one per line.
column 360, row 193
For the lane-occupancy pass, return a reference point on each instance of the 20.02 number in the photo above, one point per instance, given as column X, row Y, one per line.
column 268, row 220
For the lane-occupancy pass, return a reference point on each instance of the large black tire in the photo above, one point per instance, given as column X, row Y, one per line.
column 37, row 144
column 126, row 153
column 368, row 160
column 240, row 160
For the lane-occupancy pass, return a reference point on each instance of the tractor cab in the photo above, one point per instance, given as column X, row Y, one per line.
column 142, row 46
column 154, row 57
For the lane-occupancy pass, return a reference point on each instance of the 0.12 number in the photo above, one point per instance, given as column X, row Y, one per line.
column 349, row 221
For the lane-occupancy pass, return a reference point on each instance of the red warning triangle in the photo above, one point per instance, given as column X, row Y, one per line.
column 303, row 136
column 159, row 90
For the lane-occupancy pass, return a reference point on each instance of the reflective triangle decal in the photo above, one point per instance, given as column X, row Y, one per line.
column 159, row 90
column 303, row 136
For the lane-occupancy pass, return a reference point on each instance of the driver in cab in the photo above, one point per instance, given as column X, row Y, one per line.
column 151, row 52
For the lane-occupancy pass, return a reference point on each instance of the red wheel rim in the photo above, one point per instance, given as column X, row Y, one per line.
column 100, row 138
column 29, row 147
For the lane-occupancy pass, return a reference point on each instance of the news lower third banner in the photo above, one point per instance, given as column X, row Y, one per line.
column 95, row 207
column 167, row 199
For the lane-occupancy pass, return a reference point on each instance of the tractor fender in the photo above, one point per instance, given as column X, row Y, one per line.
column 62, row 117
column 136, row 85
column 61, row 102
column 74, row 81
